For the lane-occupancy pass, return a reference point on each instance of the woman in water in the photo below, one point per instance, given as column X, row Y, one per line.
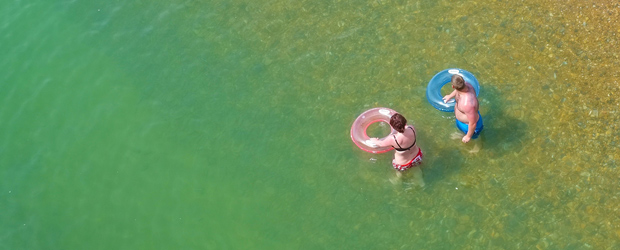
column 407, row 153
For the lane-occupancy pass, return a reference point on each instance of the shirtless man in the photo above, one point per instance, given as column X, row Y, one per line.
column 466, row 111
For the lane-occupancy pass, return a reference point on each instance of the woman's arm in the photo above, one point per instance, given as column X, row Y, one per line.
column 381, row 143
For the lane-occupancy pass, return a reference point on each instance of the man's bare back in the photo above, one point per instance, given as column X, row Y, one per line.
column 466, row 107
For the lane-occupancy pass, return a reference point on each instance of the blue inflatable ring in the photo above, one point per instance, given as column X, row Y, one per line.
column 433, row 91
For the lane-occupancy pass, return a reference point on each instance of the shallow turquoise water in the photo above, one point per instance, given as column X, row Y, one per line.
column 225, row 125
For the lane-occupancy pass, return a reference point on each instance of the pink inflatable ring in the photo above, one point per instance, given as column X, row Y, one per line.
column 360, row 125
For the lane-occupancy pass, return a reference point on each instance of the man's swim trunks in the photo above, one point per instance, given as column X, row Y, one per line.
column 464, row 127
column 417, row 160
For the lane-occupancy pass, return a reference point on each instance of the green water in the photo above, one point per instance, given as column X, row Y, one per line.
column 225, row 125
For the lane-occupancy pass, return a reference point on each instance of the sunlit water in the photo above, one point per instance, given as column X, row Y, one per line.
column 225, row 125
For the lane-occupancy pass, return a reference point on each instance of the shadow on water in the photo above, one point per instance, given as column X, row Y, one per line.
column 502, row 132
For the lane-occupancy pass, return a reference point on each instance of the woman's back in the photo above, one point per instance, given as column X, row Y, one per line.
column 405, row 145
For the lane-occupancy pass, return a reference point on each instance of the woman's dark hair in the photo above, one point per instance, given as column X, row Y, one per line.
column 398, row 122
column 458, row 82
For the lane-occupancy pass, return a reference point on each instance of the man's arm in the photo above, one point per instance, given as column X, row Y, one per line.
column 472, row 117
column 450, row 96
